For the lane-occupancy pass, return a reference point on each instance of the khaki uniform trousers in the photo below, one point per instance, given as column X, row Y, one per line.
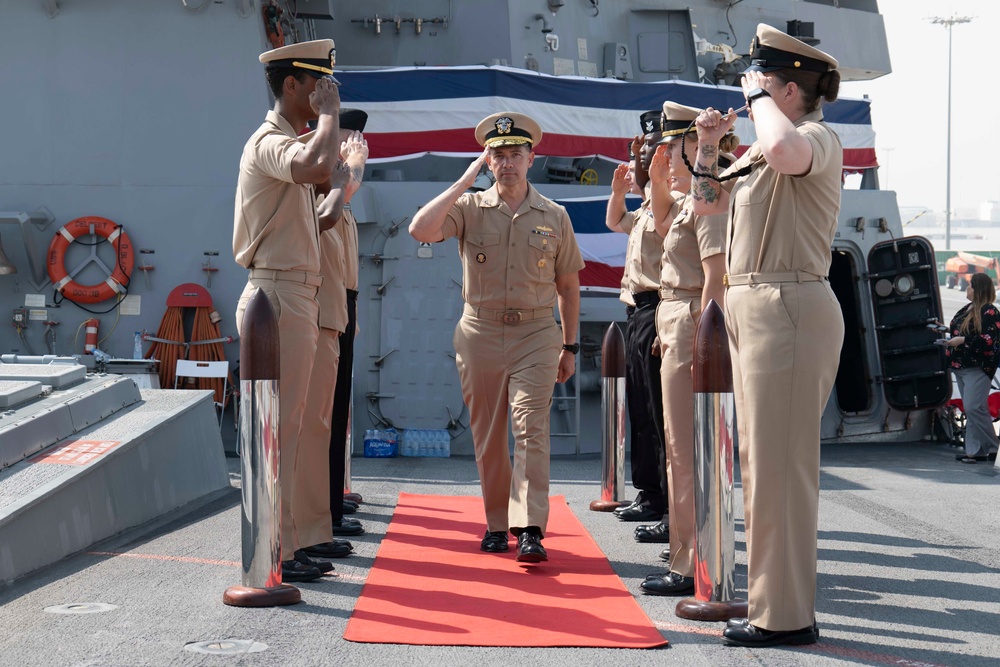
column 298, row 316
column 785, row 340
column 510, row 367
column 311, row 497
column 676, row 326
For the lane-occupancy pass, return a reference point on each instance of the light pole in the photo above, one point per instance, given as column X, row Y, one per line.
column 948, row 23
column 888, row 153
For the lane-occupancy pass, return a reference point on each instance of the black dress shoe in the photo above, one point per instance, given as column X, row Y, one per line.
column 639, row 513
column 323, row 566
column 530, row 549
column 348, row 527
column 494, row 542
column 743, row 622
column 665, row 555
column 658, row 533
column 349, row 508
column 749, row 635
column 293, row 570
column 670, row 583
column 338, row 549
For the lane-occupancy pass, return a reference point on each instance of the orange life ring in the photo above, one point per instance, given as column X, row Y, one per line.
column 114, row 283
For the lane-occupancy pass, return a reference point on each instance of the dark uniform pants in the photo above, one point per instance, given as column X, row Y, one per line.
column 785, row 340
column 342, row 410
column 645, row 403
column 510, row 367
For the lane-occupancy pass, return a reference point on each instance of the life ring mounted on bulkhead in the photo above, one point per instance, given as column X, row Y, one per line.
column 118, row 277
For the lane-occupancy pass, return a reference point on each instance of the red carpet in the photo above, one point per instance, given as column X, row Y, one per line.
column 430, row 585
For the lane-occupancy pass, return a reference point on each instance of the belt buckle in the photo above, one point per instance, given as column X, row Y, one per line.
column 511, row 317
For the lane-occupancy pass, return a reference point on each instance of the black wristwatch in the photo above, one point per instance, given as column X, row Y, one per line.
column 574, row 348
column 756, row 93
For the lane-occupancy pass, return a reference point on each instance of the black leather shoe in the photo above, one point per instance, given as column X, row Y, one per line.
column 293, row 570
column 749, row 635
column 665, row 555
column 323, row 566
column 530, row 549
column 670, row 583
column 494, row 542
column 639, row 513
column 349, row 508
column 348, row 527
column 743, row 622
column 658, row 533
column 338, row 549
column 637, row 501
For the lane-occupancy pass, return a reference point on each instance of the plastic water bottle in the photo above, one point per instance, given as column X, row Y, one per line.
column 137, row 348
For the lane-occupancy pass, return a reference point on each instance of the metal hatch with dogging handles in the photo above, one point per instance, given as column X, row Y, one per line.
column 903, row 279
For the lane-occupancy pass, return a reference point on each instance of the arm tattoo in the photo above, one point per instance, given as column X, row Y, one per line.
column 708, row 163
column 357, row 173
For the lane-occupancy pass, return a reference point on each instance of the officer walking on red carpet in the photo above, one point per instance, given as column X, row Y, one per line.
column 519, row 260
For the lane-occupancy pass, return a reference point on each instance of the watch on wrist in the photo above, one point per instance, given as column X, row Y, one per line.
column 573, row 349
column 756, row 93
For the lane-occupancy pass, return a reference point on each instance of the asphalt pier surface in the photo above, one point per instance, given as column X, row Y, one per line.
column 909, row 574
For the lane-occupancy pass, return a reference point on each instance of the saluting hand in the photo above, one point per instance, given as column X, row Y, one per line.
column 619, row 182
column 354, row 144
column 712, row 127
column 659, row 167
column 325, row 98
column 637, row 142
column 469, row 177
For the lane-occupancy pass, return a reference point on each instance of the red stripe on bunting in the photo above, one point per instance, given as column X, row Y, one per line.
column 462, row 140
column 595, row 274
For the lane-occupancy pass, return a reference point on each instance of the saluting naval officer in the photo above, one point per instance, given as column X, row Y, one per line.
column 520, row 259
column 315, row 524
column 784, row 322
column 276, row 236
column 692, row 267
column 640, row 282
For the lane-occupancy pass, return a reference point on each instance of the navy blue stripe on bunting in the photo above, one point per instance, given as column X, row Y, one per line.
column 589, row 216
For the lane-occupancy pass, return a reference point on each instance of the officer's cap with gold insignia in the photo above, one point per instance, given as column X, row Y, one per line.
column 316, row 58
column 508, row 128
column 649, row 121
column 772, row 50
column 677, row 120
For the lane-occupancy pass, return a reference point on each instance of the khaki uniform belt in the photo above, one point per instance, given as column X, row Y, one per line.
column 772, row 277
column 507, row 316
column 313, row 279
column 671, row 294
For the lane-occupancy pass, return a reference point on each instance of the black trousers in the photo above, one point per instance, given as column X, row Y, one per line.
column 644, row 398
column 341, row 410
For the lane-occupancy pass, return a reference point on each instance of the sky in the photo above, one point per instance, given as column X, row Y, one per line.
column 910, row 105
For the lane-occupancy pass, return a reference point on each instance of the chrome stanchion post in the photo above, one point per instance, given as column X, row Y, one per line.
column 348, row 495
column 260, row 440
column 714, row 411
column 613, row 424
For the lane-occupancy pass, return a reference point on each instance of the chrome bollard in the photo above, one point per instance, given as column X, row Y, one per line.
column 714, row 412
column 613, row 424
column 260, row 440
column 348, row 450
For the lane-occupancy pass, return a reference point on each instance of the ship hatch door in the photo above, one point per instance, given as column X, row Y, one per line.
column 854, row 387
column 902, row 275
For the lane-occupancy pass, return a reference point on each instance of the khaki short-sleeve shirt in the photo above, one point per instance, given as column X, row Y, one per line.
column 510, row 260
column 275, row 225
column 690, row 239
column 642, row 253
column 780, row 222
column 332, row 294
column 347, row 228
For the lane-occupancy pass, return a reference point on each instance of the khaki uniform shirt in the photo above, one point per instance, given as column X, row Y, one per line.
column 510, row 260
column 690, row 239
column 642, row 254
column 347, row 228
column 275, row 224
column 332, row 294
column 787, row 223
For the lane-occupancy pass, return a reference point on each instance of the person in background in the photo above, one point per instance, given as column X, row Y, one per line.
column 519, row 259
column 784, row 322
column 973, row 353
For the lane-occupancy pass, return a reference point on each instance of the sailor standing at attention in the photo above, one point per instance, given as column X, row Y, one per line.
column 784, row 322
column 276, row 236
column 520, row 258
column 640, row 282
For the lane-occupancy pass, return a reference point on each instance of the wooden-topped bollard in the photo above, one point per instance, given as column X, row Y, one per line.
column 613, row 424
column 714, row 410
column 260, row 439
